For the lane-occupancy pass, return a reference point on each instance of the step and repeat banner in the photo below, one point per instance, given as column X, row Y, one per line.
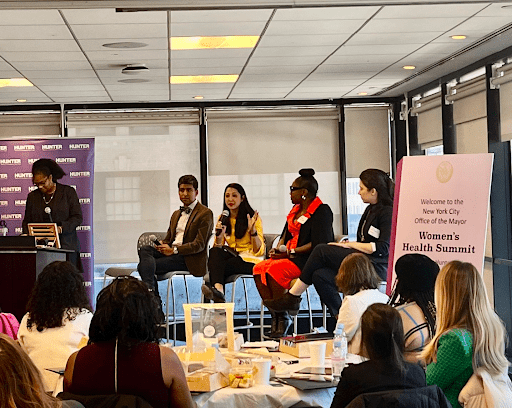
column 76, row 157
column 441, row 208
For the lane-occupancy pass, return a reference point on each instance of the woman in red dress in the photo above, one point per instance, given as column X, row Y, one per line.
column 308, row 224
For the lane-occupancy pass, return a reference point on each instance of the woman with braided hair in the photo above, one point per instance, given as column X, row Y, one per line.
column 413, row 297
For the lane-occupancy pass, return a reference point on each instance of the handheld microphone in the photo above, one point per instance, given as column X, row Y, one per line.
column 48, row 211
column 282, row 248
column 155, row 239
column 224, row 216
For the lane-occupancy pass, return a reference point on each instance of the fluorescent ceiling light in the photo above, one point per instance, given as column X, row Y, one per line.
column 207, row 43
column 198, row 97
column 458, row 37
column 363, row 93
column 14, row 82
column 202, row 79
column 409, row 67
column 21, row 100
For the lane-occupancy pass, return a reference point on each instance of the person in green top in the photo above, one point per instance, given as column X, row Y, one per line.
column 469, row 334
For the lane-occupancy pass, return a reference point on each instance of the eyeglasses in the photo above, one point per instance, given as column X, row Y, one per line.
column 292, row 188
column 41, row 183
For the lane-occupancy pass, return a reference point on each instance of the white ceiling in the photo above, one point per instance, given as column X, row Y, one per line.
column 303, row 53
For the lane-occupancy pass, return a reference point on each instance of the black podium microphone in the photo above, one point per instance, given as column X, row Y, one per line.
column 48, row 211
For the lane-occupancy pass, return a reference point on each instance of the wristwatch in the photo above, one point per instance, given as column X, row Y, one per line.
column 175, row 250
column 292, row 251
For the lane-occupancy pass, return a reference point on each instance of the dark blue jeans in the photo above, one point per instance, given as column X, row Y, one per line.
column 152, row 263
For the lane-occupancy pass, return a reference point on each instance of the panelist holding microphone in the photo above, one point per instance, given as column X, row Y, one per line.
column 184, row 248
column 56, row 203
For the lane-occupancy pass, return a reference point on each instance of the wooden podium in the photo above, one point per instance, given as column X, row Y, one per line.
column 20, row 264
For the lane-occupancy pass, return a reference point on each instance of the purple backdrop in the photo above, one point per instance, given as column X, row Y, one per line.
column 76, row 157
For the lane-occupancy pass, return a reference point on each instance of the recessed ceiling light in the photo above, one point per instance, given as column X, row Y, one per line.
column 125, row 44
column 198, row 97
column 202, row 79
column 201, row 43
column 409, row 67
column 363, row 93
column 458, row 37
column 14, row 82
column 21, row 100
column 133, row 80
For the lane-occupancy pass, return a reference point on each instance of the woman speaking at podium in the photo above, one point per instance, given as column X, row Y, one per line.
column 56, row 203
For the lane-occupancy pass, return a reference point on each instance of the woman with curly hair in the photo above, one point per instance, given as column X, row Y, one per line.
column 22, row 385
column 124, row 356
column 58, row 317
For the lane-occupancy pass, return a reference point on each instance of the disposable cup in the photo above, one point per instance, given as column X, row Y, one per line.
column 261, row 370
column 317, row 353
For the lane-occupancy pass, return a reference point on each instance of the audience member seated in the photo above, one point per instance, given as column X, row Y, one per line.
column 308, row 224
column 413, row 297
column 21, row 382
column 383, row 344
column 9, row 325
column 58, row 318
column 359, row 283
column 469, row 334
column 123, row 356
column 373, row 235
column 239, row 243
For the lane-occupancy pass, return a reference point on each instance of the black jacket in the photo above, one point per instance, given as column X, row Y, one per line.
column 375, row 376
column 317, row 230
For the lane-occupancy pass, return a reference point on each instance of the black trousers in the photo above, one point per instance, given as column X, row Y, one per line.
column 152, row 263
column 321, row 270
column 222, row 264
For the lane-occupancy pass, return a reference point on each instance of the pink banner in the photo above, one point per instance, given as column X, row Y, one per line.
column 441, row 208
column 76, row 157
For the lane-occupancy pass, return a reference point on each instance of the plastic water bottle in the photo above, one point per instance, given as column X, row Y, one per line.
column 339, row 352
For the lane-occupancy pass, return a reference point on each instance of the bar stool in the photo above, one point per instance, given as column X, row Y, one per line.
column 115, row 272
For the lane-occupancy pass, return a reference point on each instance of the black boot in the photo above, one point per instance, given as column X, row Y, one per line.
column 284, row 322
column 158, row 300
column 287, row 302
column 273, row 325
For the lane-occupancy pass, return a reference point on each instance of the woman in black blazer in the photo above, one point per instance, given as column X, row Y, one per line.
column 308, row 224
column 373, row 235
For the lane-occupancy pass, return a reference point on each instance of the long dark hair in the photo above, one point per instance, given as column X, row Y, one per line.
column 382, row 335
column 416, row 279
column 307, row 181
column 244, row 209
column 59, row 293
column 125, row 310
column 380, row 181
column 48, row 167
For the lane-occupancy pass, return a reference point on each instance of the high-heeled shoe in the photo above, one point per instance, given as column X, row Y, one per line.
column 288, row 302
column 212, row 293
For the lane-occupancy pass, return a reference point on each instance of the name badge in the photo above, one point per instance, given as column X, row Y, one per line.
column 302, row 219
column 374, row 232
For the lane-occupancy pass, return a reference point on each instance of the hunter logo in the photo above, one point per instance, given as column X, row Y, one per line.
column 10, row 162
column 52, row 147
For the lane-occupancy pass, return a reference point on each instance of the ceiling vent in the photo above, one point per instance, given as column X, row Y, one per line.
column 135, row 69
